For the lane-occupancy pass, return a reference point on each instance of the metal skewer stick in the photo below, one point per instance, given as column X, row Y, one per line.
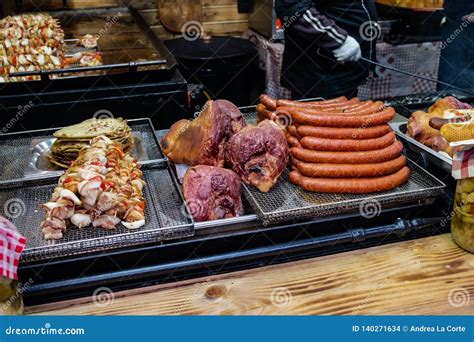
column 416, row 76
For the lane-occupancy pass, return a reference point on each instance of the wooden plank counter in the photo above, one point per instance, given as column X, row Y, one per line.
column 420, row 277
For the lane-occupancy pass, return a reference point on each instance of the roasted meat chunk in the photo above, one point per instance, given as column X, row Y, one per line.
column 203, row 140
column 418, row 126
column 212, row 193
column 258, row 154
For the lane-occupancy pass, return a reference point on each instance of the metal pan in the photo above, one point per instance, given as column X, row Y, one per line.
column 429, row 155
column 240, row 221
column 23, row 154
column 120, row 29
column 41, row 149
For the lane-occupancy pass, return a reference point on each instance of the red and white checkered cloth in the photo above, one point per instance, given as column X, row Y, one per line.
column 12, row 244
column 463, row 164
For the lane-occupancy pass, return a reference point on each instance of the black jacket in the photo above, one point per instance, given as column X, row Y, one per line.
column 456, row 65
column 313, row 28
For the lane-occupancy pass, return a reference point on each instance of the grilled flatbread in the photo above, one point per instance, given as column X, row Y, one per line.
column 91, row 128
column 72, row 139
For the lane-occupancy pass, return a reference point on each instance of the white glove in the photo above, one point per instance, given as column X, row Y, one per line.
column 349, row 51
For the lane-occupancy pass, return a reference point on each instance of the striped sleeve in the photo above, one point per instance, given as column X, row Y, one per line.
column 313, row 26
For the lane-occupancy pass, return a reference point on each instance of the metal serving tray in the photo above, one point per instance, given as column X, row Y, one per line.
column 23, row 155
column 126, row 42
column 166, row 218
column 429, row 155
column 245, row 219
column 286, row 201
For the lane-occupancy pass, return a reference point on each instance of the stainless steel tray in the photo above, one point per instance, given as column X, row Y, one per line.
column 217, row 226
column 166, row 218
column 22, row 154
column 246, row 218
column 41, row 149
column 429, row 155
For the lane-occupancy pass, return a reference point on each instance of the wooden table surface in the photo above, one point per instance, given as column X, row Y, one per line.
column 419, row 277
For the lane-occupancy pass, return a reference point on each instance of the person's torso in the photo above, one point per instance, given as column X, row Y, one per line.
column 307, row 65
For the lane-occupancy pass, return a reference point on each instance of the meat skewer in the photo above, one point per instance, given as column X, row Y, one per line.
column 102, row 187
column 33, row 42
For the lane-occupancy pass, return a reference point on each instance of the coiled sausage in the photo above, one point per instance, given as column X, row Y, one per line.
column 324, row 120
column 268, row 102
column 350, row 170
column 351, row 185
column 343, row 133
column 364, row 110
column 318, row 104
column 320, row 144
column 363, row 157
column 292, row 141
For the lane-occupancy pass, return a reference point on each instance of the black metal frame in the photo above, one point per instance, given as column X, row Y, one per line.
column 132, row 75
column 405, row 105
column 215, row 254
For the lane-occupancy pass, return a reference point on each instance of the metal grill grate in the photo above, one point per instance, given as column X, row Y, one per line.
column 166, row 218
column 15, row 154
column 286, row 202
column 249, row 114
column 18, row 151
column 149, row 140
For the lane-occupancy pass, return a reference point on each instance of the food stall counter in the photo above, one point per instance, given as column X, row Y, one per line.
column 427, row 276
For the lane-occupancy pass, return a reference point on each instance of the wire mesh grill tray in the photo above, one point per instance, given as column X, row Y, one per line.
column 22, row 154
column 286, row 201
column 165, row 213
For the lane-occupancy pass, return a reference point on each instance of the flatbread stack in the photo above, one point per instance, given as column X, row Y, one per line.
column 70, row 140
